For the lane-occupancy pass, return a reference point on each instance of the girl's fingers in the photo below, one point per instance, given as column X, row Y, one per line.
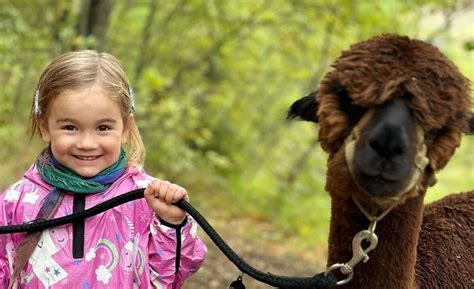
column 170, row 194
column 162, row 190
column 153, row 189
column 166, row 192
column 180, row 194
column 149, row 191
column 183, row 195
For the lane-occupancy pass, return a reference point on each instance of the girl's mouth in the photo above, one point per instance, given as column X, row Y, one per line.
column 86, row 158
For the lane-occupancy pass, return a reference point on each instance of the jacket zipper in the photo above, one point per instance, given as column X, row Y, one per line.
column 178, row 250
column 78, row 229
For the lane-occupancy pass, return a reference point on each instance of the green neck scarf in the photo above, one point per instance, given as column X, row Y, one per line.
column 63, row 178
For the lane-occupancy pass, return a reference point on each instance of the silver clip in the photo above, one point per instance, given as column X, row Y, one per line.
column 358, row 254
column 132, row 99
column 36, row 109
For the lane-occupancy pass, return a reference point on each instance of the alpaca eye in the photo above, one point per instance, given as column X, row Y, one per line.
column 432, row 135
column 353, row 111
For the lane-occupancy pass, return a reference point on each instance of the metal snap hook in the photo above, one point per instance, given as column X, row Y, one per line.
column 358, row 254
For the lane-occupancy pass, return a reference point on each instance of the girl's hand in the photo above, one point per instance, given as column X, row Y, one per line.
column 160, row 196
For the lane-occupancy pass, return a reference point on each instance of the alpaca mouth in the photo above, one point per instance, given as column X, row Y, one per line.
column 380, row 178
column 381, row 175
column 379, row 185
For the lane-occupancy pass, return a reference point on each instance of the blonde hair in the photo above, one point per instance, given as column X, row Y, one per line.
column 80, row 69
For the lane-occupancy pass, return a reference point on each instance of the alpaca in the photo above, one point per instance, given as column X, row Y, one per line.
column 391, row 114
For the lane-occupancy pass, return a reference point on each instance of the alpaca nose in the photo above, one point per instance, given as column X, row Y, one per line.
column 391, row 126
column 388, row 140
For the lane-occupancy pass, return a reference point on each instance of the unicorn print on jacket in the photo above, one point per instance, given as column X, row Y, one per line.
column 131, row 257
column 46, row 269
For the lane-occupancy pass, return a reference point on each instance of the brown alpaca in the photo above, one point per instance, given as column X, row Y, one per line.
column 391, row 114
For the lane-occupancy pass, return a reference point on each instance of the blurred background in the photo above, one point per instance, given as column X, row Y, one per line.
column 213, row 81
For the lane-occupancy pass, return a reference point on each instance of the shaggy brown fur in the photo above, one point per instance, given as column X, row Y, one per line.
column 367, row 75
column 448, row 227
column 387, row 67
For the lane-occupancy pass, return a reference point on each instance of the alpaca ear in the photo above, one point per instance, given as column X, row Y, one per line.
column 305, row 108
column 471, row 125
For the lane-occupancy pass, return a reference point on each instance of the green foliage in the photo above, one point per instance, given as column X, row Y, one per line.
column 458, row 176
column 213, row 81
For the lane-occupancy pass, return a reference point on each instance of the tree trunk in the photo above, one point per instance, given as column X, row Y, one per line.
column 146, row 36
column 94, row 20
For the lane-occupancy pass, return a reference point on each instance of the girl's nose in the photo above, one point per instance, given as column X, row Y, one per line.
column 87, row 141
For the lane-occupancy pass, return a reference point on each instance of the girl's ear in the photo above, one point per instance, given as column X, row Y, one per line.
column 305, row 108
column 126, row 128
column 44, row 133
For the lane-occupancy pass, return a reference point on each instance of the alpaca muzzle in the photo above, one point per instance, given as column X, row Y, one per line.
column 385, row 161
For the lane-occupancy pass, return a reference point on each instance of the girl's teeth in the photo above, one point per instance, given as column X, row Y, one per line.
column 87, row 158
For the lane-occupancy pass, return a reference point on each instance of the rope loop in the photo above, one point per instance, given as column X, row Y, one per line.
column 319, row 281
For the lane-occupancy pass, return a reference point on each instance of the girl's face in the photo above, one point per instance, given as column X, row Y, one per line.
column 85, row 129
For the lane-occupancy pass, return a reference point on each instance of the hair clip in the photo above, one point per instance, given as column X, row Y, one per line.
column 132, row 98
column 37, row 109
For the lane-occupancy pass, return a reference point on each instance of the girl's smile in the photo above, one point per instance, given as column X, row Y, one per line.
column 86, row 160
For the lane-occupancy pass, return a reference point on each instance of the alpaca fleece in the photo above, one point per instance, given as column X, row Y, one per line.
column 419, row 247
column 448, row 227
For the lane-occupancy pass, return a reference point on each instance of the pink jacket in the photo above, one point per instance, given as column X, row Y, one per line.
column 124, row 247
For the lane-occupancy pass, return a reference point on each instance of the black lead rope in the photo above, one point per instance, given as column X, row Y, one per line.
column 319, row 281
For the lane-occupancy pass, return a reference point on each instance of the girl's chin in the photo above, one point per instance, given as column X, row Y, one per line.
column 85, row 171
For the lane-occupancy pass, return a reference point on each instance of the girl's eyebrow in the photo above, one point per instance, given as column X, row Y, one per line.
column 64, row 120
column 108, row 120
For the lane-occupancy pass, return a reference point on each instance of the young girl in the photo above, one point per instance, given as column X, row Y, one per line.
column 83, row 110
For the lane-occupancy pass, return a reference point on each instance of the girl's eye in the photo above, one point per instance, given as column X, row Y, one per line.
column 69, row 127
column 104, row 128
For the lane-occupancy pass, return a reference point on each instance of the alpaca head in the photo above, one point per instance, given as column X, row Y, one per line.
column 391, row 114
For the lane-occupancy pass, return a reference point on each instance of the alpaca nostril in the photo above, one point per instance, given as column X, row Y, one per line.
column 399, row 150
column 387, row 146
column 377, row 146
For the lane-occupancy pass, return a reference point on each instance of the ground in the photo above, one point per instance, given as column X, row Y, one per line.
column 262, row 251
